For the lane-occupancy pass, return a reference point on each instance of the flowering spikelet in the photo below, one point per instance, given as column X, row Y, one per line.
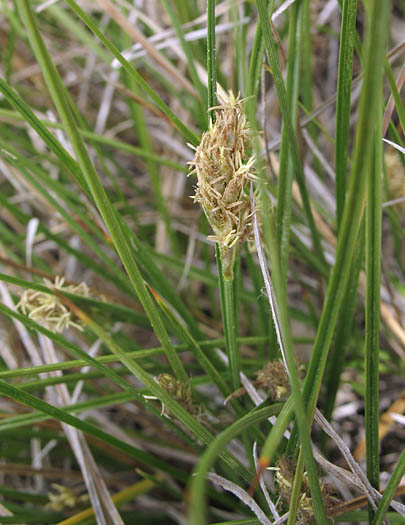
column 64, row 498
column 179, row 391
column 47, row 309
column 224, row 166
column 274, row 379
column 285, row 472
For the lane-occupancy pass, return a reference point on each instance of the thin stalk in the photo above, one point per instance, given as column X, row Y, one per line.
column 225, row 282
column 343, row 333
column 211, row 58
column 343, row 97
column 296, row 490
column 228, row 311
column 372, row 310
column 285, row 177
column 226, row 294
column 390, row 489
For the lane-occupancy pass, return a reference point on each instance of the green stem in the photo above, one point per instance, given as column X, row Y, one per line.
column 226, row 294
column 373, row 272
column 228, row 311
column 211, row 65
column 344, row 88
column 389, row 492
column 296, row 490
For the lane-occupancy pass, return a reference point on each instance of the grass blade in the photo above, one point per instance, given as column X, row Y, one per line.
column 373, row 272
column 344, row 88
column 389, row 492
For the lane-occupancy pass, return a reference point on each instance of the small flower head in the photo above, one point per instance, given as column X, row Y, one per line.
column 64, row 498
column 47, row 309
column 274, row 379
column 285, row 473
column 224, row 167
column 179, row 391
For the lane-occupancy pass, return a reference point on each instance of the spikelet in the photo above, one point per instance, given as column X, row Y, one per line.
column 285, row 473
column 64, row 498
column 274, row 379
column 224, row 166
column 179, row 391
column 47, row 309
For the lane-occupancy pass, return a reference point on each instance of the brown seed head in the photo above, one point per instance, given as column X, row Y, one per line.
column 274, row 379
column 179, row 391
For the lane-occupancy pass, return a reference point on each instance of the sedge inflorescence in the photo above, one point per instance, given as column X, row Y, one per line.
column 274, row 379
column 181, row 392
column 285, row 474
column 64, row 498
column 48, row 310
column 224, row 165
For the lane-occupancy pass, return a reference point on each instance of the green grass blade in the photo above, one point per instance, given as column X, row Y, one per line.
column 190, row 60
column 396, row 96
column 12, row 116
column 278, row 301
column 211, row 59
column 208, row 363
column 285, row 176
column 344, row 326
column 208, row 345
column 389, row 491
column 344, row 87
column 187, row 419
column 372, row 310
column 70, row 347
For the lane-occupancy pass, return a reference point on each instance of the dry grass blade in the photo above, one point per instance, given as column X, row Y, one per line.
column 353, row 465
column 241, row 494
